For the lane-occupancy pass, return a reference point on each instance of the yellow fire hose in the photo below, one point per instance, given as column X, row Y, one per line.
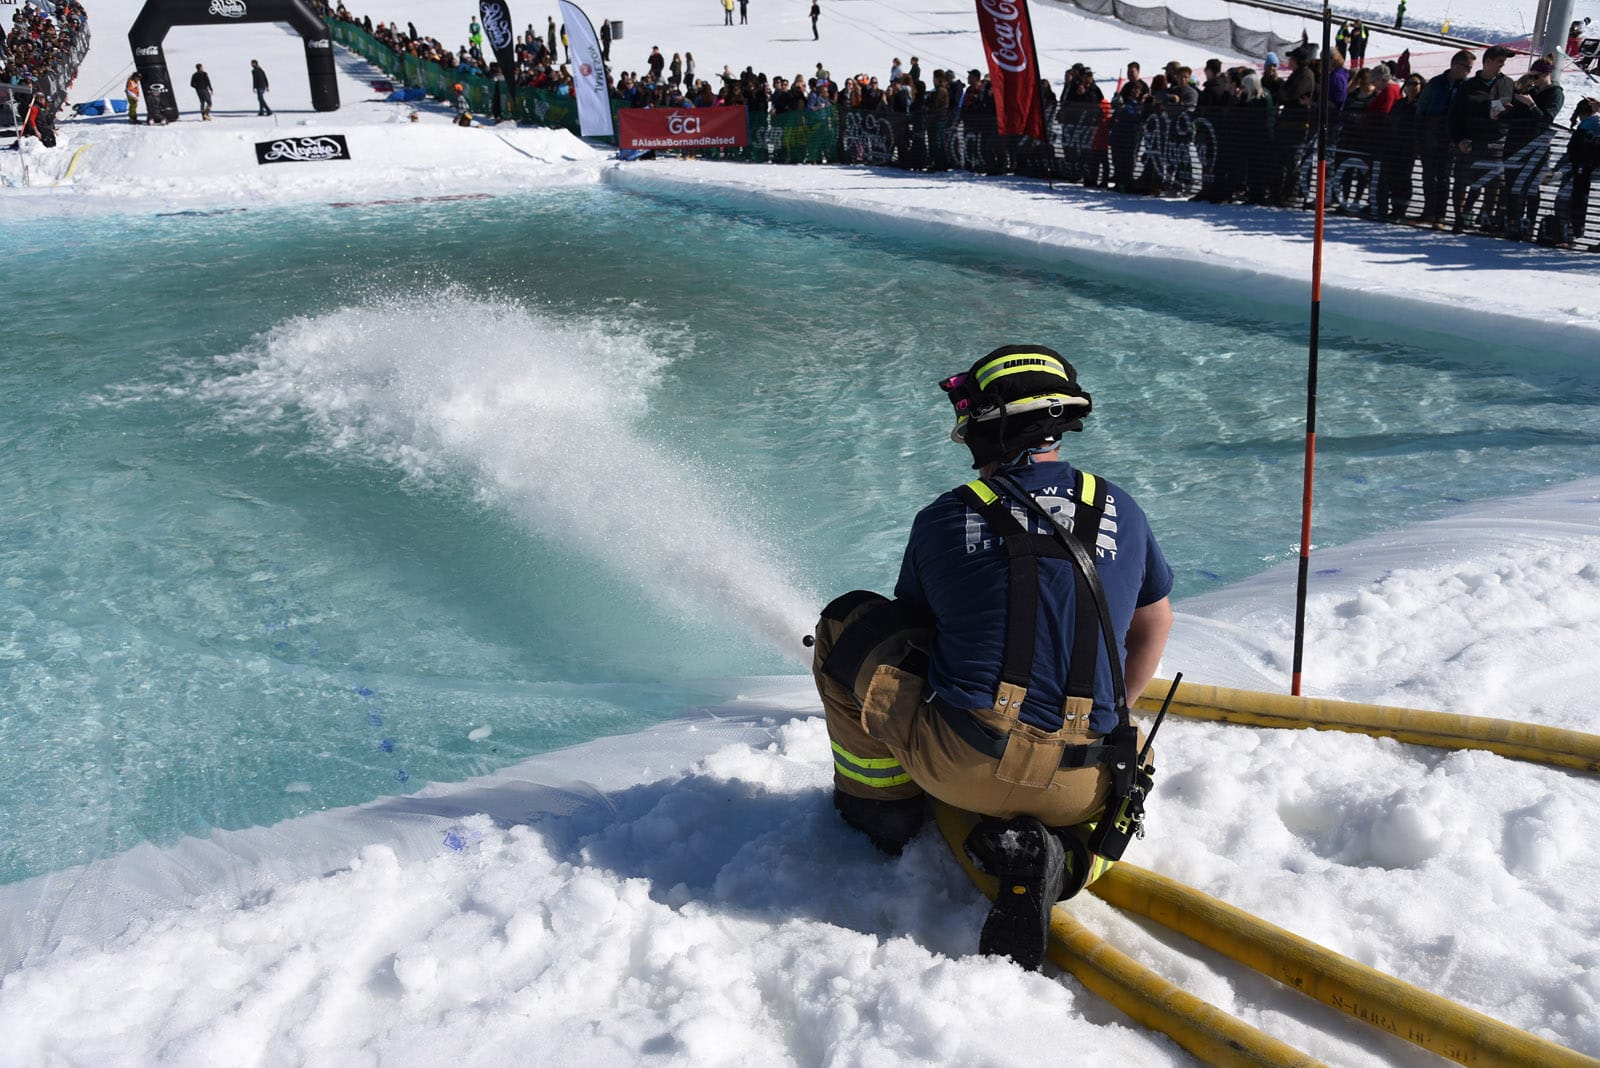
column 1427, row 1020
column 1199, row 1027
column 1524, row 741
column 72, row 165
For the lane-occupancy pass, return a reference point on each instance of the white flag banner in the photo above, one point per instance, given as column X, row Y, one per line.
column 588, row 73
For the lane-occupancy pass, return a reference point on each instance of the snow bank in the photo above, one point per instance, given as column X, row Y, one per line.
column 688, row 894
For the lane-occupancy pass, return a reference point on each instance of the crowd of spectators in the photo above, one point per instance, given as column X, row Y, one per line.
column 38, row 53
column 536, row 66
column 903, row 92
column 36, row 42
column 1467, row 130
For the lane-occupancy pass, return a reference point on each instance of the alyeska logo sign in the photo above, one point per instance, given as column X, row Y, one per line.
column 303, row 149
column 497, row 24
column 228, row 9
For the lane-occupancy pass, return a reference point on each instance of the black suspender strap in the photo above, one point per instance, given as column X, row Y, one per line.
column 1123, row 818
column 1023, row 550
column 1022, row 601
column 1090, row 576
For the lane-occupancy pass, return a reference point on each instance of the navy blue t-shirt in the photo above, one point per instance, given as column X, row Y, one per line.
column 957, row 567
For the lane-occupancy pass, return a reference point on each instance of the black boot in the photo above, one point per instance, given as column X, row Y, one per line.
column 1031, row 866
column 890, row 824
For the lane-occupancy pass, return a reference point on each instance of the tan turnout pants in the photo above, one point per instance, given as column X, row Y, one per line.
column 889, row 744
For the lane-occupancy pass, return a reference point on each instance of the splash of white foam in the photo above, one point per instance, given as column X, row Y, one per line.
column 538, row 412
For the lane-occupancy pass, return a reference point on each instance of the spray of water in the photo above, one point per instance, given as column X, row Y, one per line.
column 538, row 412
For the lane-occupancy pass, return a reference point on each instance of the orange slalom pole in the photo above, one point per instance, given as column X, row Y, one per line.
column 1311, row 370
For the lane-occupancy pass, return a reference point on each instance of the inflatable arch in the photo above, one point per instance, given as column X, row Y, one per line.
column 159, row 16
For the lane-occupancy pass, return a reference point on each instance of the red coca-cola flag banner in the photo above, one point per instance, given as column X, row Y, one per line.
column 683, row 128
column 1013, row 66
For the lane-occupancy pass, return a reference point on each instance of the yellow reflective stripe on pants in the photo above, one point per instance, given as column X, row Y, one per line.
column 870, row 771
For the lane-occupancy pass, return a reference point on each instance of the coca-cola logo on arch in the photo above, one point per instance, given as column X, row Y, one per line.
column 147, row 50
column 228, row 9
column 1009, row 53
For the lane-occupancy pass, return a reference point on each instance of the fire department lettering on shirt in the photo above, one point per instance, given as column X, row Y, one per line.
column 979, row 538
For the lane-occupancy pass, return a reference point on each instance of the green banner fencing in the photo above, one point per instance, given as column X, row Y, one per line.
column 790, row 137
column 439, row 81
column 794, row 137
column 537, row 107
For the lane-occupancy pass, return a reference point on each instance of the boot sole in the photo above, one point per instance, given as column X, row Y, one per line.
column 1030, row 880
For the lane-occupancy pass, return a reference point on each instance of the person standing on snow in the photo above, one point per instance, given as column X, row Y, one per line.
column 1433, row 109
column 131, row 91
column 1478, row 122
column 990, row 682
column 1358, row 44
column 200, row 82
column 816, row 11
column 258, row 82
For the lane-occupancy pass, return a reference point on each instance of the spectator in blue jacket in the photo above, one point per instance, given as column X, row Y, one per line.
column 1433, row 107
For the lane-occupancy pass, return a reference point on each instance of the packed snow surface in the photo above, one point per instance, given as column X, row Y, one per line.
column 687, row 895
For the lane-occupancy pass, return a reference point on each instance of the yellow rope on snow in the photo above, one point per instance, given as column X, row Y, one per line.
column 1445, row 730
column 1199, row 1027
column 73, row 164
column 1425, row 1019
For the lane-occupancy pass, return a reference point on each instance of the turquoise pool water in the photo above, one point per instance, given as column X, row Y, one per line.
column 299, row 508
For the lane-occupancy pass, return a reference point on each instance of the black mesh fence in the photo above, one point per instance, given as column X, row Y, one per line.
column 1216, row 33
column 1388, row 167
column 1146, row 18
column 1219, row 34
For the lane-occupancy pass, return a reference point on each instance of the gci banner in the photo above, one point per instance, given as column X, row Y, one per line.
column 683, row 128
column 313, row 149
